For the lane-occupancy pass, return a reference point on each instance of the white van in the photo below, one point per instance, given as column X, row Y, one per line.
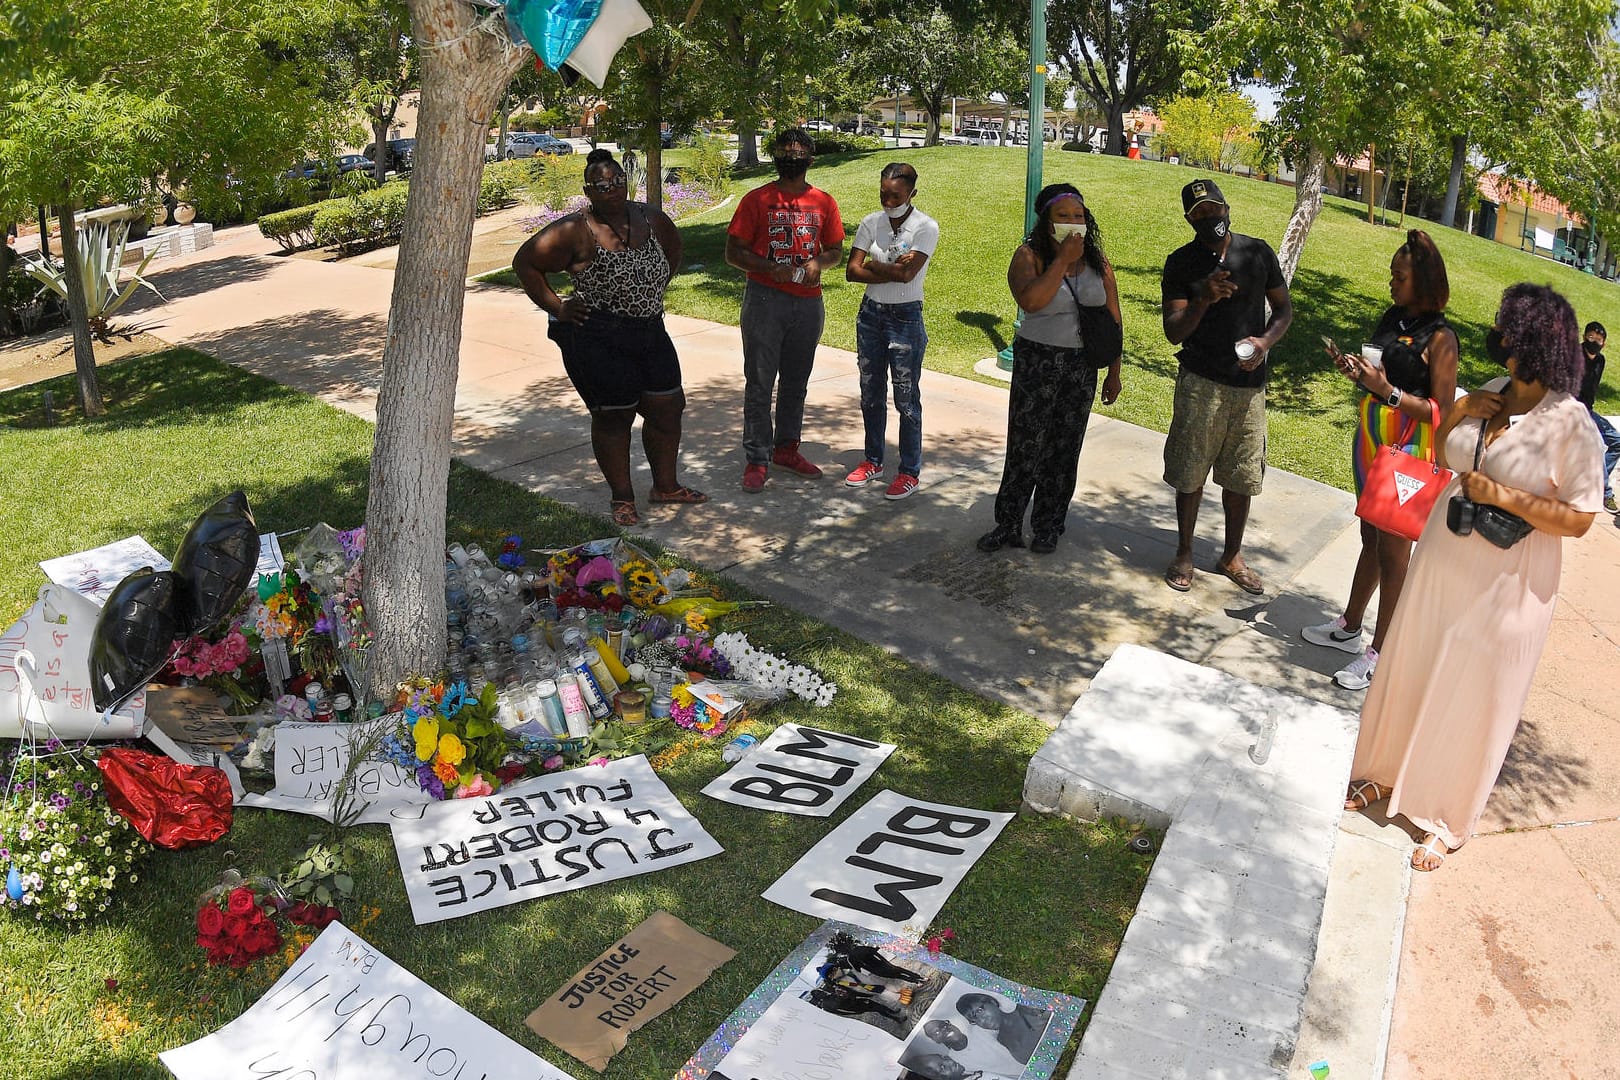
column 982, row 136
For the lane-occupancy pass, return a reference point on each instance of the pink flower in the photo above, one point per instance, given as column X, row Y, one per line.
column 597, row 761
column 934, row 944
column 555, row 761
column 476, row 788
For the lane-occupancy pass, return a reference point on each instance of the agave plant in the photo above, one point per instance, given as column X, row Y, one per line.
column 101, row 256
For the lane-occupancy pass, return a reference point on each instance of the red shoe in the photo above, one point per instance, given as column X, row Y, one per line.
column 903, row 485
column 754, row 479
column 787, row 455
column 862, row 474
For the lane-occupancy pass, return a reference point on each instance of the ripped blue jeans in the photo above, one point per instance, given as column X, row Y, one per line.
column 889, row 346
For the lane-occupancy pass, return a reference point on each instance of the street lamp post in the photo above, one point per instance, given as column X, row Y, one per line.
column 1035, row 157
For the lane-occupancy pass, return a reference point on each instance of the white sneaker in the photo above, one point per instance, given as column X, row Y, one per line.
column 1334, row 635
column 1358, row 673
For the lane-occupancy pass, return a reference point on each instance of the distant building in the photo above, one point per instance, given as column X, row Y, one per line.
column 1519, row 214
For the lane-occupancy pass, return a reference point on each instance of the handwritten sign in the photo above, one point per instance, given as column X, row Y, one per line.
column 800, row 770
column 542, row 836
column 639, row 978
column 45, row 674
column 891, row 865
column 94, row 573
column 193, row 714
column 853, row 1003
column 344, row 1011
column 311, row 760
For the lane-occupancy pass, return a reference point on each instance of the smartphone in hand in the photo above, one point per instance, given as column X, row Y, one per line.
column 1332, row 347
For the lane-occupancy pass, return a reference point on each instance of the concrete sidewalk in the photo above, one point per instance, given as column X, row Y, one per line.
column 1522, row 965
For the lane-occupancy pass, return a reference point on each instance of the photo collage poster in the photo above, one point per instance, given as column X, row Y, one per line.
column 858, row 1003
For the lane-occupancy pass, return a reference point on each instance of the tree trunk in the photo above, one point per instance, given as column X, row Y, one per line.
column 932, row 137
column 379, row 137
column 464, row 72
column 1116, row 129
column 747, row 141
column 506, row 121
column 44, row 234
column 1459, row 156
column 655, row 173
column 1307, row 204
column 84, row 350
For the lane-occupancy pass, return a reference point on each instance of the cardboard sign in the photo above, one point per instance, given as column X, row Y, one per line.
column 853, row 1003
column 344, row 1011
column 192, row 714
column 543, row 836
column 311, row 760
column 96, row 572
column 891, row 865
column 800, row 770
column 650, row 969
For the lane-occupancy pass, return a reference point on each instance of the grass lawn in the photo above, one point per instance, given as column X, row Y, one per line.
column 977, row 194
column 1046, row 906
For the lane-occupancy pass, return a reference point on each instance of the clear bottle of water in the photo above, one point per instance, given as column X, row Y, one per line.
column 738, row 748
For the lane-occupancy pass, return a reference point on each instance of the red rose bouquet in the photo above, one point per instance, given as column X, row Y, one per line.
column 236, row 920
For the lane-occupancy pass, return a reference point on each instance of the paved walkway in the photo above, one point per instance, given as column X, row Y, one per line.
column 1507, row 953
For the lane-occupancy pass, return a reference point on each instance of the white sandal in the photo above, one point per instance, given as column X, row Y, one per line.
column 1357, row 794
column 1433, row 845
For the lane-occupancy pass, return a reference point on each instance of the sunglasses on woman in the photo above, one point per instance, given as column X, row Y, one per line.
column 605, row 186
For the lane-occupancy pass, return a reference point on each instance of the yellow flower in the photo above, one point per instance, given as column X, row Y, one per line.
column 427, row 738
column 451, row 749
column 682, row 695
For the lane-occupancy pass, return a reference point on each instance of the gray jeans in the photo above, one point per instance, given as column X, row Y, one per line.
column 779, row 336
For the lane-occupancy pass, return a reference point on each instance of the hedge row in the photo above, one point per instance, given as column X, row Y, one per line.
column 375, row 218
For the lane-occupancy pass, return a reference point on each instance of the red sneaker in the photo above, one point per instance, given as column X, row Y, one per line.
column 754, row 479
column 903, row 485
column 787, row 455
column 863, row 473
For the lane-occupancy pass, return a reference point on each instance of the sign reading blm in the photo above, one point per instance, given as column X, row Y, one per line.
column 800, row 770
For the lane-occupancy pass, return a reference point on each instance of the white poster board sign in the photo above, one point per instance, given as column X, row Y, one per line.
column 890, row 866
column 800, row 770
column 545, row 835
column 344, row 1011
column 45, row 674
column 94, row 573
column 311, row 760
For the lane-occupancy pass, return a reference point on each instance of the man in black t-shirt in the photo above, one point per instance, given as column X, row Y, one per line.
column 1215, row 291
column 1594, row 337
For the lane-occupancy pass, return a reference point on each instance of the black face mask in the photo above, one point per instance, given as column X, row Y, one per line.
column 1592, row 348
column 1495, row 349
column 1212, row 231
column 792, row 168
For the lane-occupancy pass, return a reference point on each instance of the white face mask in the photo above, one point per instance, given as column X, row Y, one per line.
column 1061, row 231
column 897, row 212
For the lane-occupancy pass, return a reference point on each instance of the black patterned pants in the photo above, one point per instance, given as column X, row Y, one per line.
column 1047, row 412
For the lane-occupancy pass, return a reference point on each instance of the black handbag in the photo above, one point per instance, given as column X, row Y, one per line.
column 1501, row 527
column 1101, row 337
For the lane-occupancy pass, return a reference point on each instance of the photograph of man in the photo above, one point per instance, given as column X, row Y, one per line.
column 1017, row 1027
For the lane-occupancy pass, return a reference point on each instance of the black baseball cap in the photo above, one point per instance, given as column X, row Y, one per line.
column 1200, row 191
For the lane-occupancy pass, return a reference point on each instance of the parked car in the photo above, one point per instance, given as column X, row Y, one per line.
column 324, row 170
column 982, row 136
column 524, row 144
column 863, row 126
column 401, row 153
column 819, row 125
column 954, row 140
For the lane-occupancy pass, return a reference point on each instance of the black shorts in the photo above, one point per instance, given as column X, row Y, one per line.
column 613, row 360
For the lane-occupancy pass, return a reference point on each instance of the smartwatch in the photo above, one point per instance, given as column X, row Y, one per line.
column 1394, row 399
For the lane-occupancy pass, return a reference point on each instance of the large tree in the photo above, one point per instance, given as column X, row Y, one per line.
column 1121, row 54
column 374, row 60
column 89, row 113
column 933, row 57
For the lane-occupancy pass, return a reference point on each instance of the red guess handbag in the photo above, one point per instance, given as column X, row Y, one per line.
column 1401, row 489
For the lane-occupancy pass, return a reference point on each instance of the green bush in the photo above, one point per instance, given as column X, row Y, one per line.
column 339, row 223
column 367, row 220
column 838, row 142
column 291, row 229
column 500, row 180
column 561, row 180
column 707, row 165
column 354, row 182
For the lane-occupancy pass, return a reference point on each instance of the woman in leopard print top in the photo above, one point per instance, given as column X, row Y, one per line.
column 620, row 255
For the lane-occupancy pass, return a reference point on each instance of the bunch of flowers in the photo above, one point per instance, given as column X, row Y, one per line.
column 694, row 653
column 347, row 618
column 511, row 558
column 693, row 715
column 562, row 567
column 236, row 924
column 450, row 738
column 353, row 543
column 64, row 850
column 289, row 609
column 221, row 666
column 644, row 585
column 757, row 666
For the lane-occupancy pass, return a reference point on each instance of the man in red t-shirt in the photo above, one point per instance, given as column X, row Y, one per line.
column 785, row 234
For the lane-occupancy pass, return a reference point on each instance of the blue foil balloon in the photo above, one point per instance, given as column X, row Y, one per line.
column 553, row 27
column 14, row 887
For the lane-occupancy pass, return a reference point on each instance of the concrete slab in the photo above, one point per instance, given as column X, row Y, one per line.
column 1510, row 960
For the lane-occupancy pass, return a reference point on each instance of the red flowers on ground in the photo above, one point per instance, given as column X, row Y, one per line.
column 238, row 935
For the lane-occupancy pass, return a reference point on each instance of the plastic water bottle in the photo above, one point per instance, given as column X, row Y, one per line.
column 738, row 748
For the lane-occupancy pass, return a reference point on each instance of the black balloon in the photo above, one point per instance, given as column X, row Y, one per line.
column 133, row 636
column 216, row 563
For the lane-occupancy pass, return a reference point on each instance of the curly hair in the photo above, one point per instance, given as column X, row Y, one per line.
column 1543, row 336
column 1040, row 238
column 1430, row 285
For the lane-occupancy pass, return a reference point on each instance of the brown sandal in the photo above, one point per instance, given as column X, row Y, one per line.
column 682, row 494
column 624, row 512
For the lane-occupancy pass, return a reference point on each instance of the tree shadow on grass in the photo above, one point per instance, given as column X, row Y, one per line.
column 986, row 323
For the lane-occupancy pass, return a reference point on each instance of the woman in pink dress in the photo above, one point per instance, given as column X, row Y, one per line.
column 1446, row 698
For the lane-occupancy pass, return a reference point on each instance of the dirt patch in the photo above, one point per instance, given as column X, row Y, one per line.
column 44, row 356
